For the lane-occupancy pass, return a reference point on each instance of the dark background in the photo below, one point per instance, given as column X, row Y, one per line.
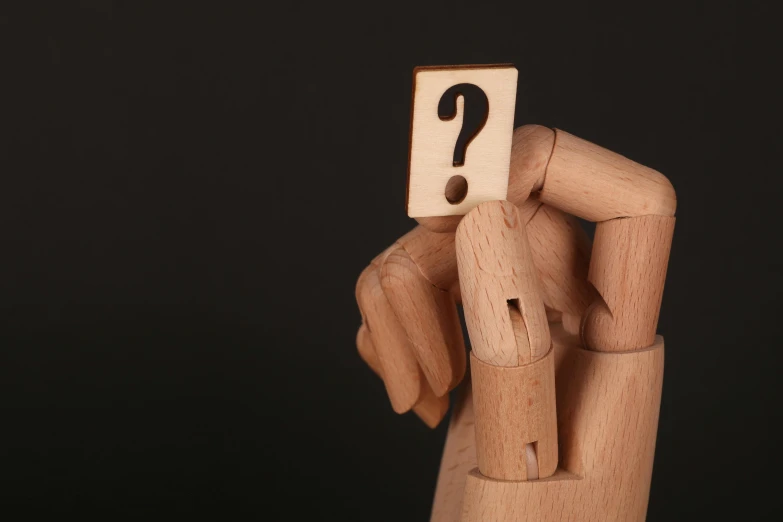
column 189, row 191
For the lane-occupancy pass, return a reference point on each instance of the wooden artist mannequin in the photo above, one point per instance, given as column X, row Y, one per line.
column 559, row 420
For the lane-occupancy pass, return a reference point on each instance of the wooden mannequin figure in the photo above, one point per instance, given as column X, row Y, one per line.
column 559, row 419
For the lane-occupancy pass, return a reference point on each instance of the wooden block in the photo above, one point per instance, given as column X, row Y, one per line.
column 607, row 409
column 515, row 408
column 460, row 114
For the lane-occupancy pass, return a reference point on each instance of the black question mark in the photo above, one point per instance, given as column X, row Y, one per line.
column 476, row 111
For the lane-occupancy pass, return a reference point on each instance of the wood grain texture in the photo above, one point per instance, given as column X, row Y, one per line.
column 430, row 408
column 531, row 148
column 496, row 272
column 429, row 318
column 561, row 255
column 607, row 408
column 597, row 184
column 459, row 457
column 608, row 394
column 515, row 407
column 528, row 209
column 397, row 362
column 628, row 269
column 530, row 151
column 578, row 177
column 447, row 271
column 571, row 323
column 432, row 140
column 434, row 254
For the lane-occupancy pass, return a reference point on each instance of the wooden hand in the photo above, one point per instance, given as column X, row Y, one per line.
column 411, row 335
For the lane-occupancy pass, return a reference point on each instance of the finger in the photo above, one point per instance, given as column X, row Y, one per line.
column 561, row 253
column 430, row 409
column 434, row 255
column 499, row 283
column 397, row 363
column 628, row 269
column 596, row 184
column 439, row 223
column 367, row 350
column 419, row 276
column 512, row 364
column 531, row 148
column 429, row 317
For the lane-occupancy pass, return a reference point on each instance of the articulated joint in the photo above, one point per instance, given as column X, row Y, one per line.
column 583, row 179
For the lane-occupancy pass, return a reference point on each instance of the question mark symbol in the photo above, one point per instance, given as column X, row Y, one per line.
column 475, row 112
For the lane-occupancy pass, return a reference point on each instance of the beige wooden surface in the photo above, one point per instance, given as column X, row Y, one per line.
column 608, row 406
column 514, row 408
column 430, row 408
column 628, row 268
column 432, row 324
column 596, row 184
column 498, row 280
column 432, row 140
column 607, row 396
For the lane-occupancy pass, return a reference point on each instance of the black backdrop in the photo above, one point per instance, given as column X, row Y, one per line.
column 189, row 192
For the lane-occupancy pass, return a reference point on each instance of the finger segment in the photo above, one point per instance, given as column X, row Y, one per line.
column 496, row 272
column 628, row 269
column 398, row 365
column 429, row 317
column 430, row 409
